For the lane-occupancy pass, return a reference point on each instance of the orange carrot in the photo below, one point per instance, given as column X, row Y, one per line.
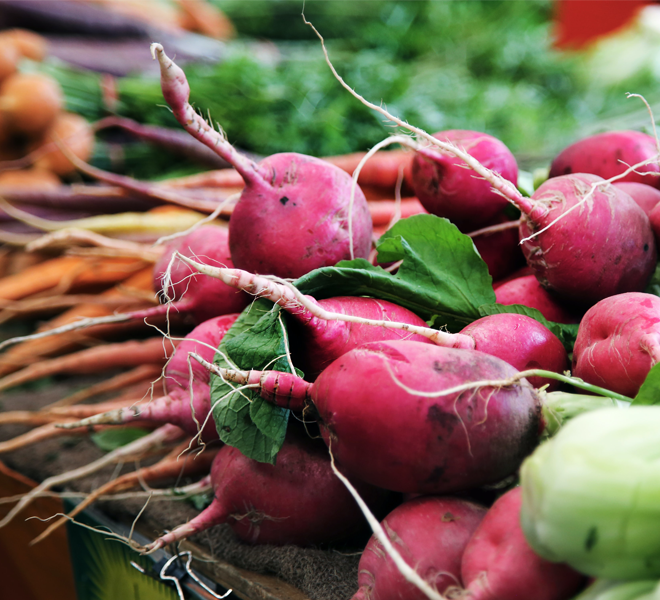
column 30, row 102
column 381, row 170
column 73, row 271
column 382, row 211
column 94, row 360
column 32, row 351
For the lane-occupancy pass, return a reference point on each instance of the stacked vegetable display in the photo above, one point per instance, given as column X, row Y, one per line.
column 416, row 378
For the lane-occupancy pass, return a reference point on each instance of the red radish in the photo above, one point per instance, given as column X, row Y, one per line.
column 654, row 217
column 188, row 401
column 499, row 564
column 202, row 297
column 646, row 196
column 431, row 534
column 298, row 500
column 382, row 408
column 618, row 342
column 529, row 292
column 447, row 188
column 521, row 341
column 609, row 154
column 295, row 214
column 604, row 247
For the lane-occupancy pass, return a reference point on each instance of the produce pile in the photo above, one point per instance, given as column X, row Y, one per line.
column 336, row 342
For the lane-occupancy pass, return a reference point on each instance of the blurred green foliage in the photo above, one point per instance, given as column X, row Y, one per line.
column 482, row 65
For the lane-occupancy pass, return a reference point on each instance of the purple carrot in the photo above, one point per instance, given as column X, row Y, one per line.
column 174, row 140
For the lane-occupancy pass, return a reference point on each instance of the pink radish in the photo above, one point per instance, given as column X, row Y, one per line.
column 186, row 383
column 646, row 196
column 521, row 341
column 296, row 213
column 529, row 292
column 201, row 297
column 383, row 409
column 431, row 534
column 602, row 248
column 298, row 500
column 448, row 189
column 618, row 342
column 499, row 564
column 609, row 154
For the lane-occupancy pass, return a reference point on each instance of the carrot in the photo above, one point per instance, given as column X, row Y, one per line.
column 53, row 430
column 28, row 44
column 383, row 211
column 30, row 102
column 36, row 178
column 139, row 378
column 74, row 271
column 170, row 466
column 381, row 170
column 31, row 351
column 222, row 178
column 76, row 132
column 94, row 360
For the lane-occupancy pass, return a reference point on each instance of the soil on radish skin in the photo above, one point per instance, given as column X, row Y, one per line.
column 322, row 574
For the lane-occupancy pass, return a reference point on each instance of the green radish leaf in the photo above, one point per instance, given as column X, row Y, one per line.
column 566, row 332
column 442, row 277
column 111, row 439
column 649, row 393
column 256, row 341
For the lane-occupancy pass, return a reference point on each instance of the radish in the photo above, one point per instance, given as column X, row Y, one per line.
column 431, row 534
column 607, row 246
column 646, row 196
column 521, row 341
column 499, row 564
column 296, row 501
column 618, row 342
column 296, row 213
column 447, row 189
column 529, row 292
column 187, row 403
column 609, row 154
column 201, row 297
column 392, row 418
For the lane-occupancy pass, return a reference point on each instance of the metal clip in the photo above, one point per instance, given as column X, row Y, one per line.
column 175, row 580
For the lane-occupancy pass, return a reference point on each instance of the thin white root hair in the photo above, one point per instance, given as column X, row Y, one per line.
column 409, row 574
column 111, row 535
column 80, row 324
column 294, row 295
column 648, row 107
column 164, row 434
